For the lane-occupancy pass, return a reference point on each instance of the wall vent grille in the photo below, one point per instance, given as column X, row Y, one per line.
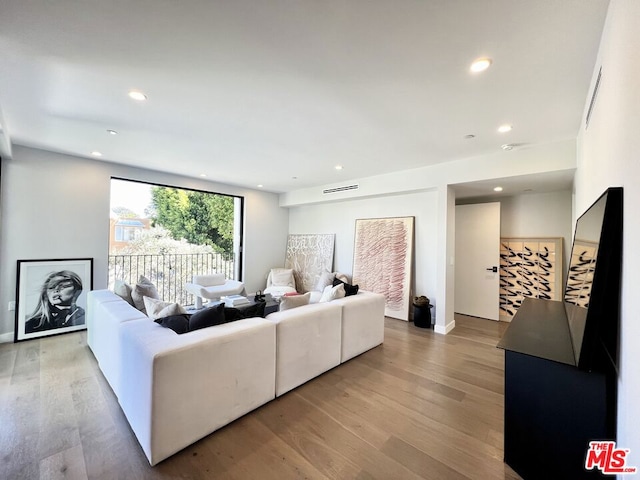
column 592, row 103
column 327, row 191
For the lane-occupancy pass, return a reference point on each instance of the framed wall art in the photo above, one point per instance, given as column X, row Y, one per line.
column 383, row 259
column 51, row 296
column 309, row 255
column 529, row 267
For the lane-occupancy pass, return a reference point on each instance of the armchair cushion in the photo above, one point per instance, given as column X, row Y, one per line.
column 209, row 280
column 282, row 277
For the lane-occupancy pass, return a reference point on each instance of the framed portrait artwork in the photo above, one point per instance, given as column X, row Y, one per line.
column 51, row 296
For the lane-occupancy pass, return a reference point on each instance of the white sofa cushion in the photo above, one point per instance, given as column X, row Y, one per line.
column 362, row 323
column 96, row 297
column 308, row 340
column 180, row 388
column 106, row 311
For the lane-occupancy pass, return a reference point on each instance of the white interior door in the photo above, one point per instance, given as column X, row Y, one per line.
column 477, row 260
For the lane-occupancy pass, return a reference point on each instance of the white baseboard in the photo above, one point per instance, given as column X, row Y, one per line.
column 446, row 329
column 6, row 337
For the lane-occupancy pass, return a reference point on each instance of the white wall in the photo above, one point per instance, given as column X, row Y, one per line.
column 339, row 218
column 57, row 206
column 608, row 155
column 539, row 215
column 551, row 157
column 536, row 215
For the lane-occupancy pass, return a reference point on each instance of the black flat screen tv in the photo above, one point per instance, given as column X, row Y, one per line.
column 592, row 290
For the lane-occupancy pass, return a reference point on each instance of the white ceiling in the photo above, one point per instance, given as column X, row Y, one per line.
column 260, row 91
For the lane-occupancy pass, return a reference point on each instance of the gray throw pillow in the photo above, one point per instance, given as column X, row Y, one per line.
column 144, row 288
column 123, row 290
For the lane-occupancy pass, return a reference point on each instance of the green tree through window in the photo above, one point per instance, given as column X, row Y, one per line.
column 197, row 217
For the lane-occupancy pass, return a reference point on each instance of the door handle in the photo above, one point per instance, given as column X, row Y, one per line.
column 492, row 269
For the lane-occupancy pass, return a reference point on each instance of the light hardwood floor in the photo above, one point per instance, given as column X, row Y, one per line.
column 422, row 405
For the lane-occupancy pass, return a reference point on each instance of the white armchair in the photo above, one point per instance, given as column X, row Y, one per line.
column 280, row 281
column 212, row 287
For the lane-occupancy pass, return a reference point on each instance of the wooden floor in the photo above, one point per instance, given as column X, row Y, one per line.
column 422, row 405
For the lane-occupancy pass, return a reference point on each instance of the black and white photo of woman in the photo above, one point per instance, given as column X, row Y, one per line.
column 56, row 306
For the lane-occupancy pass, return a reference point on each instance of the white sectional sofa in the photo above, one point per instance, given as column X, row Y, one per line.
column 175, row 389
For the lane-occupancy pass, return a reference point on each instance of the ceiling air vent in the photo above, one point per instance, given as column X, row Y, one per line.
column 327, row 191
column 593, row 99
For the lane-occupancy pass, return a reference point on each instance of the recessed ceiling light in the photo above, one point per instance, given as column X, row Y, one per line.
column 469, row 137
column 260, row 186
column 338, row 167
column 497, row 189
column 505, row 128
column 203, row 175
column 507, row 146
column 112, row 132
column 137, row 95
column 96, row 154
column 480, row 65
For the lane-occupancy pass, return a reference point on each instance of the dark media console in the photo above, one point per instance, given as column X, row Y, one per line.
column 561, row 357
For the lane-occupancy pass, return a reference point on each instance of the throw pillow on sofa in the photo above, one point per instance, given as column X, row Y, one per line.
column 123, row 290
column 177, row 323
column 293, row 301
column 325, row 279
column 233, row 314
column 144, row 288
column 348, row 289
column 208, row 317
column 332, row 293
column 158, row 309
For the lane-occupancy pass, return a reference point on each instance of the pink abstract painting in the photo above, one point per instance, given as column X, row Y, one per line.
column 382, row 260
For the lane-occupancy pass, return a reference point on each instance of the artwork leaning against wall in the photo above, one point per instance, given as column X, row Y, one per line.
column 170, row 234
column 529, row 267
column 383, row 261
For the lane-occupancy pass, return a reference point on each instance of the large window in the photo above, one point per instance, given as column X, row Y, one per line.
column 170, row 234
